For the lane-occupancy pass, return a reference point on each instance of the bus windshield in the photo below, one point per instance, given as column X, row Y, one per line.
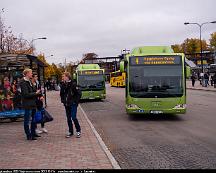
column 91, row 82
column 155, row 81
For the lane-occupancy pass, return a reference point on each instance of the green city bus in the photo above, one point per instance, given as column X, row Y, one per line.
column 155, row 81
column 91, row 80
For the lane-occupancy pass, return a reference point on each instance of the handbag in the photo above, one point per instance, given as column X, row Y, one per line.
column 47, row 117
column 38, row 118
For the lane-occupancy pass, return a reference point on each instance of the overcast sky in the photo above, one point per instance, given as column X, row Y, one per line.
column 105, row 27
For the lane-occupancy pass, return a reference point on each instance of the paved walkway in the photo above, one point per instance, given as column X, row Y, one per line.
column 52, row 150
column 197, row 86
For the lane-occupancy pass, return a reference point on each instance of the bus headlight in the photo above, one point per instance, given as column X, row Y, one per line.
column 180, row 106
column 132, row 106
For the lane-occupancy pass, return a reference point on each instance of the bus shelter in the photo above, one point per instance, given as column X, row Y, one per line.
column 11, row 68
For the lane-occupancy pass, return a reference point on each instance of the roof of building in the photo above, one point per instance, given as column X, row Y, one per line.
column 20, row 60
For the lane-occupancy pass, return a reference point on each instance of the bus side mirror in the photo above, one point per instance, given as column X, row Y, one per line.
column 122, row 66
column 188, row 72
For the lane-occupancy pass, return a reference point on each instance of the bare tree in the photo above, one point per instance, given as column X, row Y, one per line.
column 9, row 43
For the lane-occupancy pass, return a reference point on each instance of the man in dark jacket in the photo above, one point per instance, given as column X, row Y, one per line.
column 29, row 95
column 214, row 80
column 193, row 79
column 70, row 97
column 206, row 79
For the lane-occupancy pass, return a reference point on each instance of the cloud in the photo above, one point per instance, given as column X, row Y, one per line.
column 75, row 27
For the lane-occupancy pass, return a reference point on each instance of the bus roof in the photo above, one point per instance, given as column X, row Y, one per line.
column 88, row 67
column 152, row 49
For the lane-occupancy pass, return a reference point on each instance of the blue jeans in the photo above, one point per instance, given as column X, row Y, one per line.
column 29, row 113
column 71, row 112
column 205, row 82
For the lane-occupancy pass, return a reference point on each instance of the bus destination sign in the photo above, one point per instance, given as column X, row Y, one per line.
column 90, row 72
column 156, row 60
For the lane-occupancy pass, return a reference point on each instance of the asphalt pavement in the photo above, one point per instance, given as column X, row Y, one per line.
column 157, row 141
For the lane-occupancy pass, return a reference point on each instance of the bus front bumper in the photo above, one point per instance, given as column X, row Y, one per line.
column 92, row 95
column 159, row 111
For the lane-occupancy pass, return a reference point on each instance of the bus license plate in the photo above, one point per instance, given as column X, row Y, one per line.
column 156, row 112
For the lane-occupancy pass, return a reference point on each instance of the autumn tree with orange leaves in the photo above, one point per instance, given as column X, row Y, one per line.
column 190, row 46
column 50, row 70
column 213, row 41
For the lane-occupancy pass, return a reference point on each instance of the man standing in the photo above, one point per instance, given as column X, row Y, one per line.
column 70, row 97
column 206, row 79
column 214, row 80
column 193, row 79
column 29, row 95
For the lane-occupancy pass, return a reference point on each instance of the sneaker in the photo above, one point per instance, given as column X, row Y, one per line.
column 33, row 138
column 44, row 130
column 69, row 135
column 78, row 135
column 38, row 131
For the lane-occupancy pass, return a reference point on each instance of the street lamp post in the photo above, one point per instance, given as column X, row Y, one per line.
column 200, row 27
column 31, row 44
column 49, row 56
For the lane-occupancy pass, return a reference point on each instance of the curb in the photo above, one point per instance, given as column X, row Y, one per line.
column 102, row 144
column 200, row 89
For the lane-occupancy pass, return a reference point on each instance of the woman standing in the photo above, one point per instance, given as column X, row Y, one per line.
column 70, row 97
column 39, row 102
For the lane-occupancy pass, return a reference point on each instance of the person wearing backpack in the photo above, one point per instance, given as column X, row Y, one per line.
column 70, row 97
